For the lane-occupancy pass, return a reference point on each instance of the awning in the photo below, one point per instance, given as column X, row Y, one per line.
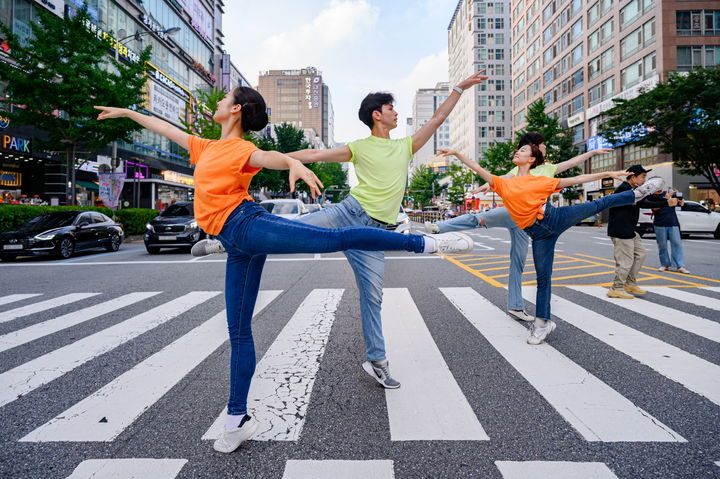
column 88, row 185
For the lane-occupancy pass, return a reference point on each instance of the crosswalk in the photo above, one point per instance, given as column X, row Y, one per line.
column 432, row 404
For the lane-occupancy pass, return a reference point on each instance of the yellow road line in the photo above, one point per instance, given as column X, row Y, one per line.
column 475, row 273
column 556, row 269
column 666, row 272
column 570, row 277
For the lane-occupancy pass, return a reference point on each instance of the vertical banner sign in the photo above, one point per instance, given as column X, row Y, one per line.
column 111, row 185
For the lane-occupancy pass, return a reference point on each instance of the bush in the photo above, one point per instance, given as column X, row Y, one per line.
column 133, row 220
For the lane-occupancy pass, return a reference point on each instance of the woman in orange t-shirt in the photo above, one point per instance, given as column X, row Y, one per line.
column 223, row 207
column 525, row 197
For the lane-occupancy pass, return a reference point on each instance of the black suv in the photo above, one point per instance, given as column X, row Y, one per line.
column 175, row 227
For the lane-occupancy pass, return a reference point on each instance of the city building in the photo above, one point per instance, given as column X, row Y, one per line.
column 301, row 98
column 580, row 54
column 425, row 103
column 192, row 58
column 479, row 38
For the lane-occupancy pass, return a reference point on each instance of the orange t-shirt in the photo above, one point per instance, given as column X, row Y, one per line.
column 222, row 177
column 524, row 196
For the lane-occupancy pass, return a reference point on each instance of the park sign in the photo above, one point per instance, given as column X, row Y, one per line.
column 16, row 143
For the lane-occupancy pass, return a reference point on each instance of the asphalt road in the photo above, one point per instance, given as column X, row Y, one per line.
column 626, row 390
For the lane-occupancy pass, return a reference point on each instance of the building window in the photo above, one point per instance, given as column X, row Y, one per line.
column 636, row 155
column 633, row 10
column 697, row 57
column 533, row 48
column 697, row 22
column 533, row 68
column 519, row 100
column 533, row 89
column 577, row 104
column 519, row 118
column 579, row 133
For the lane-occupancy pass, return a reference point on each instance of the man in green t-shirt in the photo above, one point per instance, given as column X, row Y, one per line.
column 500, row 218
column 381, row 166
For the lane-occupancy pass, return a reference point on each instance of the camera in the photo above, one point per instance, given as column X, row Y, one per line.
column 678, row 195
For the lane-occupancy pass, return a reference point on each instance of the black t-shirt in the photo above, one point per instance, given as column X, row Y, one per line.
column 665, row 216
column 624, row 218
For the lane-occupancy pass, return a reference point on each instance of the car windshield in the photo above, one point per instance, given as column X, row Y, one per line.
column 52, row 220
column 280, row 208
column 178, row 210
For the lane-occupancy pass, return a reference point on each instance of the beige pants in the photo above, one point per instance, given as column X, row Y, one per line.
column 629, row 258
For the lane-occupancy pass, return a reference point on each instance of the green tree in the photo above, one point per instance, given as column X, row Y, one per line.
column 498, row 159
column 59, row 74
column 459, row 177
column 680, row 116
column 423, row 185
column 202, row 109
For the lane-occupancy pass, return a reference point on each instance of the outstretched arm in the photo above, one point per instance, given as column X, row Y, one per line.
column 275, row 160
column 473, row 165
column 161, row 127
column 580, row 159
column 336, row 155
column 428, row 129
column 580, row 179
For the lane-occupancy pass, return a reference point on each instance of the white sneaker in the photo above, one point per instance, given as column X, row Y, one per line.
column 432, row 228
column 206, row 247
column 404, row 229
column 230, row 439
column 520, row 314
column 650, row 186
column 539, row 333
column 453, row 243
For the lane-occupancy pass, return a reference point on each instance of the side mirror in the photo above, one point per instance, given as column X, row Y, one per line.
column 83, row 224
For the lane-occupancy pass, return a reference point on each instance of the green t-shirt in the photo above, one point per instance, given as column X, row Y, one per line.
column 381, row 166
column 546, row 169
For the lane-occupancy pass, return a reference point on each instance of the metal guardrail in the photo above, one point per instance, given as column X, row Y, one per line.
column 432, row 216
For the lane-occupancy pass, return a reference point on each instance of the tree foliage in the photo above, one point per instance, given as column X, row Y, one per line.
column 423, row 185
column 680, row 116
column 202, row 109
column 459, row 177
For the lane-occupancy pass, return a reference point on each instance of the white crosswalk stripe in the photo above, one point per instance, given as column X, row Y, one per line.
column 713, row 289
column 554, row 470
column 295, row 469
column 594, row 409
column 105, row 414
column 128, row 469
column 6, row 316
column 29, row 376
column 679, row 319
column 685, row 296
column 282, row 385
column 12, row 298
column 36, row 331
column 429, row 405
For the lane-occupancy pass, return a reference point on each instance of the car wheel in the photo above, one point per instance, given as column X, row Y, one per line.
column 152, row 249
column 66, row 248
column 114, row 242
column 717, row 232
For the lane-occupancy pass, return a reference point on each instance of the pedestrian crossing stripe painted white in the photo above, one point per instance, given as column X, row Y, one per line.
column 483, row 246
column 713, row 289
column 105, row 414
column 29, row 376
column 694, row 373
column 12, row 298
column 681, row 295
column 430, row 404
column 281, row 387
column 295, row 469
column 36, row 331
column 679, row 319
column 6, row 316
column 554, row 470
column 128, row 469
column 594, row 409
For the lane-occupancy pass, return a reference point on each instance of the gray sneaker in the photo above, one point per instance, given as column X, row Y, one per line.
column 650, row 186
column 520, row 314
column 381, row 372
column 432, row 228
column 539, row 333
column 206, row 247
column 453, row 243
column 230, row 439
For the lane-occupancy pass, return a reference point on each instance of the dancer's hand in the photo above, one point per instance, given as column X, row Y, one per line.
column 483, row 189
column 473, row 80
column 444, row 153
column 298, row 171
column 620, row 175
column 107, row 112
column 599, row 151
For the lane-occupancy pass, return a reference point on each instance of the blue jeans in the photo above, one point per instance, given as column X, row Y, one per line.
column 546, row 231
column 672, row 233
column 368, row 266
column 499, row 218
column 250, row 233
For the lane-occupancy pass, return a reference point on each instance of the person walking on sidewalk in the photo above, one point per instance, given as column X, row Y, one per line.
column 628, row 249
column 381, row 165
column 667, row 228
column 224, row 169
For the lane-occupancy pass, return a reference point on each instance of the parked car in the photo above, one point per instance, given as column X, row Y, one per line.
column 174, row 227
column 61, row 233
column 693, row 217
column 590, row 220
column 313, row 207
column 402, row 218
column 288, row 208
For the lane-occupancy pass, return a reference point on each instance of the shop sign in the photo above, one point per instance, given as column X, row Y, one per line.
column 168, row 82
column 155, row 27
column 4, row 122
column 87, row 165
column 122, row 50
column 10, row 178
column 576, row 119
column 166, row 105
column 16, row 143
column 110, row 186
column 55, row 6
column 628, row 94
column 633, row 134
column 174, row 176
column 608, row 183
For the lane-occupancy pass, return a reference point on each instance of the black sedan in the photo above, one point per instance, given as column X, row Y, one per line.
column 61, row 233
column 175, row 227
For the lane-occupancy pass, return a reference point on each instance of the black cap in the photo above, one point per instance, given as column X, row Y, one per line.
column 638, row 170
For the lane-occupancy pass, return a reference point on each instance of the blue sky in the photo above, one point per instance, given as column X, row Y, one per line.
column 359, row 45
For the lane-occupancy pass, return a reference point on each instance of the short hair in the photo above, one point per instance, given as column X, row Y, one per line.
column 531, row 137
column 373, row 102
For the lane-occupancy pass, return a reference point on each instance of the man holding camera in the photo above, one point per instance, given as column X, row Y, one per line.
column 628, row 249
column 667, row 228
